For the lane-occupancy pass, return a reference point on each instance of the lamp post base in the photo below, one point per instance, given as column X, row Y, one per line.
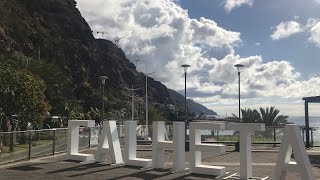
column 186, row 147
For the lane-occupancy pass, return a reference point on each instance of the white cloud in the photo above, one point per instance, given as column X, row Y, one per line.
column 208, row 32
column 162, row 35
column 257, row 44
column 310, row 23
column 315, row 34
column 232, row 4
column 286, row 29
column 289, row 28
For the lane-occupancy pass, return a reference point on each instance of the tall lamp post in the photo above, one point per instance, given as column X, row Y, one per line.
column 238, row 66
column 185, row 68
column 103, row 81
column 147, row 109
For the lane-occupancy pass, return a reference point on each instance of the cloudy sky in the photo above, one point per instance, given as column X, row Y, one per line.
column 278, row 42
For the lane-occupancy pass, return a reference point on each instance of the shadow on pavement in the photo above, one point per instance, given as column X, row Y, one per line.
column 25, row 168
column 97, row 171
column 315, row 159
column 79, row 168
column 144, row 174
column 194, row 176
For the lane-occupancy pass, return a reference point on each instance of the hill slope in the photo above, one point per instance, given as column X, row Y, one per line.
column 53, row 31
column 194, row 107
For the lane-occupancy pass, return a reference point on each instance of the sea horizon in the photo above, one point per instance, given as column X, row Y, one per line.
column 314, row 121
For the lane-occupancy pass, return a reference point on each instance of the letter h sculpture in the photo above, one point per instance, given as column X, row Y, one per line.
column 160, row 144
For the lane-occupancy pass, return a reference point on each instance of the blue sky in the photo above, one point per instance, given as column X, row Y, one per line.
column 256, row 23
column 278, row 41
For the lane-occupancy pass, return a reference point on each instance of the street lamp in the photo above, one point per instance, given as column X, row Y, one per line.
column 238, row 66
column 103, row 81
column 147, row 116
column 185, row 68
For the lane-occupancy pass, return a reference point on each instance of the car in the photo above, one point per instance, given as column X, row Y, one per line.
column 140, row 138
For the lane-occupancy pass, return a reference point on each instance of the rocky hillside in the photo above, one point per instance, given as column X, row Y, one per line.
column 54, row 31
column 193, row 106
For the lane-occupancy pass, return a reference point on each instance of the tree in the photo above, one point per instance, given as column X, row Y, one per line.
column 93, row 114
column 154, row 115
column 270, row 116
column 249, row 115
column 21, row 94
column 58, row 86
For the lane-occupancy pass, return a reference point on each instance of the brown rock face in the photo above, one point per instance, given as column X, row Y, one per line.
column 55, row 31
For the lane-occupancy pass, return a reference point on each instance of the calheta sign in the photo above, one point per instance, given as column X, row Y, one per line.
column 109, row 145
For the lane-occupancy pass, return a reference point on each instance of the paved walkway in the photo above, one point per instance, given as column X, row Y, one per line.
column 58, row 168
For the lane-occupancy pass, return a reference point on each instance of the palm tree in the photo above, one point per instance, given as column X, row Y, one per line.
column 249, row 115
column 270, row 117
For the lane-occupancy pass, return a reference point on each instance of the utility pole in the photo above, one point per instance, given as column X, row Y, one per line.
column 132, row 100
column 147, row 109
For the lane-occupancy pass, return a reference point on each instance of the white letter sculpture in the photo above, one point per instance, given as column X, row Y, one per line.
column 292, row 140
column 196, row 147
column 73, row 140
column 109, row 143
column 131, row 147
column 245, row 130
column 159, row 145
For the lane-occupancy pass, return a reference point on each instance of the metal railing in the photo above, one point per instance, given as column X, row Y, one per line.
column 21, row 145
column 24, row 145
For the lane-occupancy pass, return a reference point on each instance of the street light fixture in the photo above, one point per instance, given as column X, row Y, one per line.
column 185, row 68
column 238, row 66
column 103, row 81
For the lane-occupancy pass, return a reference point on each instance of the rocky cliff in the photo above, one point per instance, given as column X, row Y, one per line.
column 54, row 31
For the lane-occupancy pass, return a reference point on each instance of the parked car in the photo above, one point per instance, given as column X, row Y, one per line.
column 143, row 138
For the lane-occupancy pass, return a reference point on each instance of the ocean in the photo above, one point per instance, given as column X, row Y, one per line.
column 314, row 121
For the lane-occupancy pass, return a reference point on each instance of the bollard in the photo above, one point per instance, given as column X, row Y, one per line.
column 30, row 144
column 274, row 134
column 89, row 129
column 54, row 143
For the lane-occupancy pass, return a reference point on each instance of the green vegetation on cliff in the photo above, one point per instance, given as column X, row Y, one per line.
column 51, row 42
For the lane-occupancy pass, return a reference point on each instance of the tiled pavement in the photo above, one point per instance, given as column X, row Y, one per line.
column 59, row 168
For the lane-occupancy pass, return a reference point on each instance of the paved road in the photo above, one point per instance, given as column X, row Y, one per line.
column 58, row 168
